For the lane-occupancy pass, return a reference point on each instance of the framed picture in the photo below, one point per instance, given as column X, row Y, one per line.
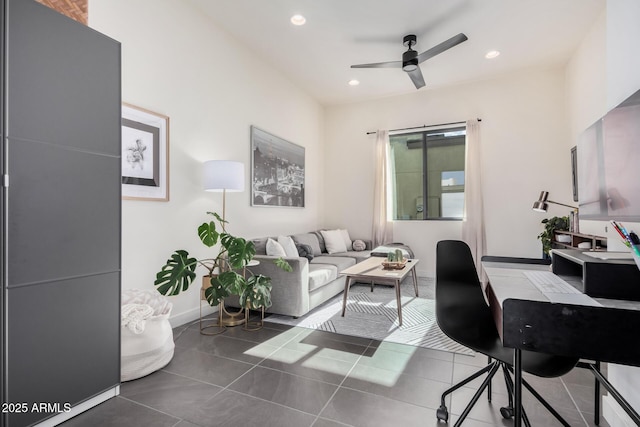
column 277, row 171
column 145, row 154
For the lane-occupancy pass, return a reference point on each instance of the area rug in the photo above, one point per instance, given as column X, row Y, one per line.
column 374, row 315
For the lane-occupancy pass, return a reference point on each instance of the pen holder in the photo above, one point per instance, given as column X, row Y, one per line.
column 635, row 250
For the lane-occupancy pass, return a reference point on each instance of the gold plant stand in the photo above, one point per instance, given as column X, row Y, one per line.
column 253, row 325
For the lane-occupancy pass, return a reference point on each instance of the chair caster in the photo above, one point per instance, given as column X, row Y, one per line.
column 507, row 412
column 442, row 413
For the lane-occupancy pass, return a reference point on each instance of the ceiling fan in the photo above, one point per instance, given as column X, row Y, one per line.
column 411, row 59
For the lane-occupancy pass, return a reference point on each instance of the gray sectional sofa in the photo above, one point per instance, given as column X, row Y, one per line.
column 313, row 281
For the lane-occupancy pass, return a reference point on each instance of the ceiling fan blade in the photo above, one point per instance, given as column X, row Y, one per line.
column 445, row 45
column 392, row 64
column 416, row 77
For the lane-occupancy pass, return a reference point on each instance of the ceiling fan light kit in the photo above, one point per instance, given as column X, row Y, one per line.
column 411, row 59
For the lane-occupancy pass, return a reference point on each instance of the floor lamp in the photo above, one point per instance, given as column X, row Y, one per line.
column 223, row 176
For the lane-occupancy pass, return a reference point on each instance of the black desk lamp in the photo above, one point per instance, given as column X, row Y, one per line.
column 542, row 204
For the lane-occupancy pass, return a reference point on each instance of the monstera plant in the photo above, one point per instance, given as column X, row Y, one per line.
column 226, row 270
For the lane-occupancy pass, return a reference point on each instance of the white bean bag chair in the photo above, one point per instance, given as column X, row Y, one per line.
column 146, row 334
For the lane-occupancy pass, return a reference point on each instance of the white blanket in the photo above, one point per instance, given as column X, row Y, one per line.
column 134, row 316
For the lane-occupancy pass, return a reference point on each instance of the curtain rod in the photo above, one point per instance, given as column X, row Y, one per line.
column 425, row 126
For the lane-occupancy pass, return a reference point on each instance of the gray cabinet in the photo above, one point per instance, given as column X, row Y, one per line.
column 60, row 208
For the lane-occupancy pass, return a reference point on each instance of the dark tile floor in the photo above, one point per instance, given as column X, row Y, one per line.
column 286, row 376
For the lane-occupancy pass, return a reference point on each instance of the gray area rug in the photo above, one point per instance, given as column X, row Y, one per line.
column 374, row 315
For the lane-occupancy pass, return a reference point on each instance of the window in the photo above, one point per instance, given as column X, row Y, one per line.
column 427, row 174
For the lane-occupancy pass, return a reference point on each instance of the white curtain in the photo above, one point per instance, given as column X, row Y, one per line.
column 382, row 227
column 473, row 232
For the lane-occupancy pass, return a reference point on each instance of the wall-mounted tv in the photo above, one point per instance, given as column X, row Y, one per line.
column 609, row 165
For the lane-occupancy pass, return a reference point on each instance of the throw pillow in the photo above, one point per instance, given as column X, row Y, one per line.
column 275, row 249
column 288, row 246
column 334, row 241
column 305, row 251
column 347, row 239
column 359, row 245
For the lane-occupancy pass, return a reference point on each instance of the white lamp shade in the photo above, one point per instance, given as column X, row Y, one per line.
column 222, row 175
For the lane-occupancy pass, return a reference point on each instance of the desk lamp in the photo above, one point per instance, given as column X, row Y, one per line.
column 542, row 204
column 223, row 175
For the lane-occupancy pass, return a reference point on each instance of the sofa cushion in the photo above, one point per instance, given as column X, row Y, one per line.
column 321, row 274
column 308, row 239
column 341, row 262
column 334, row 240
column 261, row 245
column 357, row 255
column 288, row 246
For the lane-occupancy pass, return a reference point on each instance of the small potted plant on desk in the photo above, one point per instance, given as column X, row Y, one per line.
column 227, row 274
column 551, row 225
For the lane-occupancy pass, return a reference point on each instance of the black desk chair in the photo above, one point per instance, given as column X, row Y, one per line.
column 464, row 316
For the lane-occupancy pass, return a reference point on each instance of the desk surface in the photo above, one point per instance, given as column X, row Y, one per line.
column 528, row 320
column 508, row 281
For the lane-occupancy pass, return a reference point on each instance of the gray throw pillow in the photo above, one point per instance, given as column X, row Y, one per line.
column 305, row 251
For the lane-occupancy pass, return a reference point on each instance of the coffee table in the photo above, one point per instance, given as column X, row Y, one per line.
column 371, row 270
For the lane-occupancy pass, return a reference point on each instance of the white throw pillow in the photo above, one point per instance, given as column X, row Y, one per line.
column 275, row 249
column 347, row 239
column 289, row 246
column 334, row 241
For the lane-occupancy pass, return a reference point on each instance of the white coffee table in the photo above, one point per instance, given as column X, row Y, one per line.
column 371, row 270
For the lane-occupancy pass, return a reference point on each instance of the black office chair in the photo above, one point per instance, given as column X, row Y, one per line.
column 464, row 316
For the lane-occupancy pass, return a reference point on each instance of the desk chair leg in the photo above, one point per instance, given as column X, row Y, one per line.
column 508, row 412
column 596, row 404
column 494, row 369
column 489, row 360
column 442, row 413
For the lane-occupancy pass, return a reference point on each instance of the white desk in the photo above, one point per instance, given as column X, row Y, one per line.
column 601, row 330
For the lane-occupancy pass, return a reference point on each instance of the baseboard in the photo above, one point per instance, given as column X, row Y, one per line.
column 614, row 414
column 191, row 315
column 80, row 408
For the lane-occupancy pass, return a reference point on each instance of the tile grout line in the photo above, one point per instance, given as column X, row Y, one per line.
column 342, row 382
column 575, row 404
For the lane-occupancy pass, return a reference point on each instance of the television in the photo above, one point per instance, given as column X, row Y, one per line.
column 609, row 165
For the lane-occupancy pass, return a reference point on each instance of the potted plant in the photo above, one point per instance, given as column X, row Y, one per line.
column 225, row 270
column 551, row 225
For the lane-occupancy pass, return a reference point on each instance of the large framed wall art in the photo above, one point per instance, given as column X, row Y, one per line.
column 277, row 171
column 145, row 154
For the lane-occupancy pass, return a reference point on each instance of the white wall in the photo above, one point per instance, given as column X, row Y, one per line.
column 525, row 150
column 177, row 63
column 603, row 72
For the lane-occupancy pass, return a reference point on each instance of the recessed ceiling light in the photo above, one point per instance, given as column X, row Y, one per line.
column 492, row 54
column 354, row 82
column 298, row 20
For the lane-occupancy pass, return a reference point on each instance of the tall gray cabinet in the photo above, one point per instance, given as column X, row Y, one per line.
column 60, row 211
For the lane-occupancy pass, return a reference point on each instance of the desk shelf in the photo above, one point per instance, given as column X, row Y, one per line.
column 600, row 278
column 598, row 243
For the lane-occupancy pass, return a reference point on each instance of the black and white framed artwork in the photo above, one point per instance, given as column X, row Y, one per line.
column 277, row 171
